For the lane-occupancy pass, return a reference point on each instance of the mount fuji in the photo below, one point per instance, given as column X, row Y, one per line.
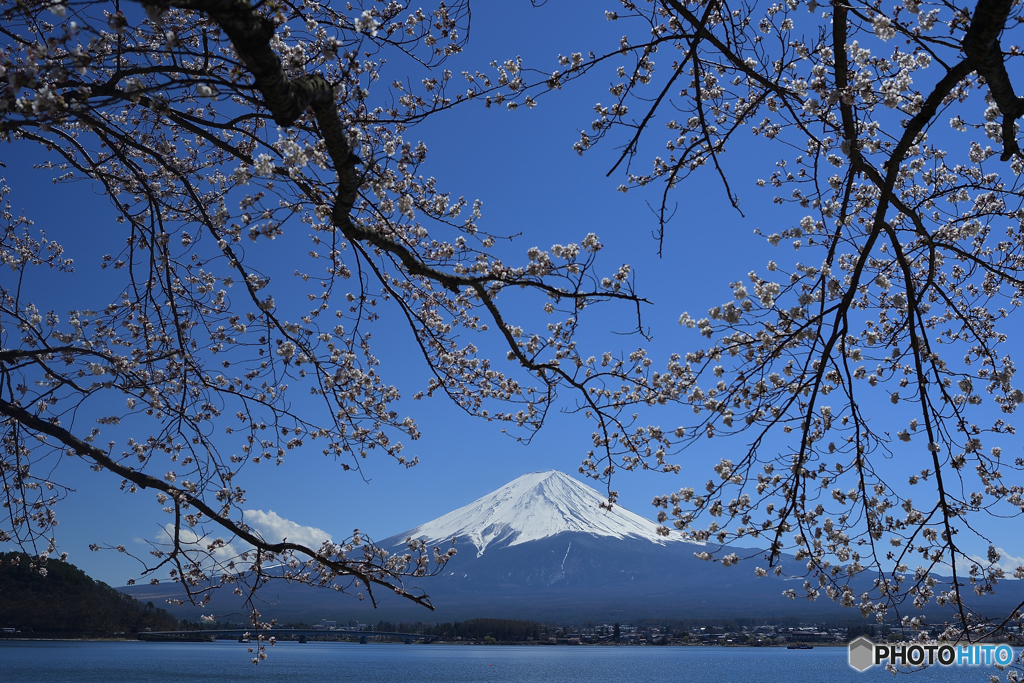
column 532, row 508
column 545, row 546
column 542, row 547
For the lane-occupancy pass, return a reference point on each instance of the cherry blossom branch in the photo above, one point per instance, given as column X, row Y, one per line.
column 983, row 50
column 183, row 497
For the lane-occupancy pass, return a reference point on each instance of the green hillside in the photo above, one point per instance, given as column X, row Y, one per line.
column 67, row 603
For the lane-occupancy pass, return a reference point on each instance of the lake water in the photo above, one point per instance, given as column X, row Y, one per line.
column 108, row 662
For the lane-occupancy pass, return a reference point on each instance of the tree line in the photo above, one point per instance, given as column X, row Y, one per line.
column 501, row 630
column 58, row 598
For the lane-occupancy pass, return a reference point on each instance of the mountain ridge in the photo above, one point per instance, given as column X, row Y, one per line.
column 542, row 548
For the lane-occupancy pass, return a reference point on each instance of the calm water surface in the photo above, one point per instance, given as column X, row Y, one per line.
column 56, row 662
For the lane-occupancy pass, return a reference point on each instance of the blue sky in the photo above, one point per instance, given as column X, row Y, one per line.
column 522, row 165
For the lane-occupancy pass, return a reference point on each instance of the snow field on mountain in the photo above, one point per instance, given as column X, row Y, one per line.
column 533, row 507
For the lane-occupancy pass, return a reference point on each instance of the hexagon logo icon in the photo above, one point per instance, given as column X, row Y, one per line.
column 862, row 653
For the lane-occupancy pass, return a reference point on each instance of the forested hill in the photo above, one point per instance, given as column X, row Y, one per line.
column 66, row 602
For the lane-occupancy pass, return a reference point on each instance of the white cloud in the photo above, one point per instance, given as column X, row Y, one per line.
column 271, row 526
column 275, row 528
column 189, row 537
column 1007, row 562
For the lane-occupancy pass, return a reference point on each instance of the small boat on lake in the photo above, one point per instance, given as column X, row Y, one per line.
column 799, row 646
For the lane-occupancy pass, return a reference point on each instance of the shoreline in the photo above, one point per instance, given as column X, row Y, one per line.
column 397, row 642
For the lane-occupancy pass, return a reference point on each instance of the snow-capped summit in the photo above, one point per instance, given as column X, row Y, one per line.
column 533, row 507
